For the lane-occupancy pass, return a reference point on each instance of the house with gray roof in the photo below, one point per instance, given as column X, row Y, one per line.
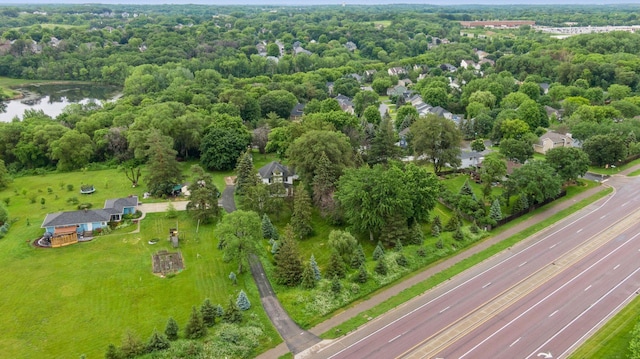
column 552, row 140
column 89, row 220
column 276, row 172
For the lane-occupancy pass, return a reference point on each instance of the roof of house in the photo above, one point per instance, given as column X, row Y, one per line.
column 76, row 217
column 344, row 100
column 111, row 206
column 120, row 203
column 298, row 110
column 555, row 137
column 438, row 111
column 267, row 170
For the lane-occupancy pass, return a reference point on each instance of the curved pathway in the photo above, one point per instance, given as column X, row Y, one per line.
column 296, row 338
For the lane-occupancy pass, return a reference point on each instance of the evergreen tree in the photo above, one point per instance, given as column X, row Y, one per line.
column 378, row 252
column 402, row 260
column 232, row 314
column 112, row 352
column 436, row 226
column 381, row 267
column 466, row 190
column 439, row 243
column 521, row 204
column 289, row 268
column 453, row 223
column 246, row 175
column 195, row 327
column 157, row 342
column 308, row 278
column 162, row 166
column 395, row 228
column 132, row 345
column 358, row 257
column 171, row 330
column 416, row 236
column 324, row 185
column 274, row 247
column 316, row 270
column 336, row 286
column 495, row 212
column 336, row 266
column 398, row 246
column 383, row 145
column 234, row 278
column 208, row 311
column 243, row 301
column 457, row 234
column 268, row 230
column 474, row 228
column 362, row 275
column 203, row 197
column 301, row 216
column 219, row 311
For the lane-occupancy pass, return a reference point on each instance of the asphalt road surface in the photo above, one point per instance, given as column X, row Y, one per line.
column 539, row 299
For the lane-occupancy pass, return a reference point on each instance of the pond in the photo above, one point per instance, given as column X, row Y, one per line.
column 53, row 98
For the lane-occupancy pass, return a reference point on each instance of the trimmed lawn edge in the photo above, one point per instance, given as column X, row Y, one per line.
column 407, row 294
column 612, row 339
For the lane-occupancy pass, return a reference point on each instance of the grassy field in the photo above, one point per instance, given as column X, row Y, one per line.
column 61, row 303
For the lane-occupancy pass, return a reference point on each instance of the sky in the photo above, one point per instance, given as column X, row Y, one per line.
column 328, row 2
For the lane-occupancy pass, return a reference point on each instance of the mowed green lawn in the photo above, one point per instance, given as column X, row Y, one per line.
column 64, row 302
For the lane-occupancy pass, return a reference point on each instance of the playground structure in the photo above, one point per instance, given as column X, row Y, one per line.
column 173, row 237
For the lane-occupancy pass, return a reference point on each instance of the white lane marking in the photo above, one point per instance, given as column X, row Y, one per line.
column 616, row 267
column 633, row 294
column 486, row 285
column 549, row 296
column 521, row 264
column 395, row 338
column 523, row 252
column 624, row 204
column 442, row 311
column 603, row 216
column 587, row 288
column 579, row 230
column 514, row 342
column 552, row 314
column 553, row 246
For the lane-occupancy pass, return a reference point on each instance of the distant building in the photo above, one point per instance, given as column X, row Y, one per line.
column 498, row 24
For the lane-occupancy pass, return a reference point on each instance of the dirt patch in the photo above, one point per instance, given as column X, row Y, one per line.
column 165, row 263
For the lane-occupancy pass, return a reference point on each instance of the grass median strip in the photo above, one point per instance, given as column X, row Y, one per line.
column 464, row 264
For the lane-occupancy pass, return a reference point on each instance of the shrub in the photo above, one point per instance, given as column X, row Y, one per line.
column 73, row 200
column 70, row 187
column 85, row 205
column 171, row 330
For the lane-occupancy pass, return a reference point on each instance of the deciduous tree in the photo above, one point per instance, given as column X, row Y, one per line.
column 203, row 196
column 569, row 162
column 238, row 233
column 438, row 139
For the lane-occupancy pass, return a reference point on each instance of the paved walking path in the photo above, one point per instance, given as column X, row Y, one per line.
column 353, row 311
column 295, row 338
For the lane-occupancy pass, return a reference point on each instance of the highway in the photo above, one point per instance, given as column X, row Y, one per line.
column 539, row 299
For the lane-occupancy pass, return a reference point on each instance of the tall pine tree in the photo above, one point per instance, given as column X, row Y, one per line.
column 495, row 212
column 358, row 257
column 383, row 145
column 268, row 230
column 232, row 314
column 195, row 327
column 308, row 278
column 246, row 175
column 301, row 217
column 289, row 268
column 316, row 270
column 162, row 166
column 336, row 267
column 324, row 185
column 208, row 311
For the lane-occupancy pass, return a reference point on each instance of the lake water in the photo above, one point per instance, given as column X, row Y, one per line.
column 52, row 99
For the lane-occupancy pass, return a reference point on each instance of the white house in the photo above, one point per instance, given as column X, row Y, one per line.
column 275, row 172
